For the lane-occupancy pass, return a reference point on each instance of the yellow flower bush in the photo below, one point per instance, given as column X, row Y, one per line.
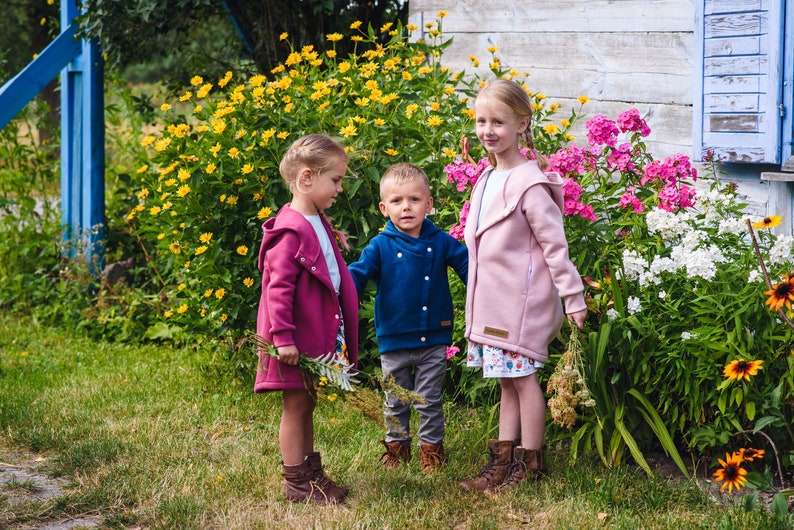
column 389, row 101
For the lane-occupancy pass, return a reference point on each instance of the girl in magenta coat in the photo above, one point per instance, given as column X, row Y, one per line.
column 308, row 306
column 519, row 272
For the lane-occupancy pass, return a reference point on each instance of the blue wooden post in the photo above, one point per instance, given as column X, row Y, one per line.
column 82, row 147
column 82, row 129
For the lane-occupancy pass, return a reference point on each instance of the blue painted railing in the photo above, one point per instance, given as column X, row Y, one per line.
column 81, row 68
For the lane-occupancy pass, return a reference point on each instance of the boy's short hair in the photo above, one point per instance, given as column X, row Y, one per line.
column 403, row 172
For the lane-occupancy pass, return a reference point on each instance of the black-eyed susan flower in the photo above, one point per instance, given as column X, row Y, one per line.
column 739, row 369
column 781, row 293
column 732, row 475
column 749, row 454
column 768, row 222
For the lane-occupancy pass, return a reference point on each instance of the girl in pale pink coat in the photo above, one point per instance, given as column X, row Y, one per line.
column 519, row 275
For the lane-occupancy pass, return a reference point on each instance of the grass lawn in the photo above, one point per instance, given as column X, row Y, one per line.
column 144, row 437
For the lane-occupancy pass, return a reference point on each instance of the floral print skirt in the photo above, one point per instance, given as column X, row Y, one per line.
column 340, row 352
column 496, row 362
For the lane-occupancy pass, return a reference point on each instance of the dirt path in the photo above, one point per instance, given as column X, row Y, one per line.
column 23, row 482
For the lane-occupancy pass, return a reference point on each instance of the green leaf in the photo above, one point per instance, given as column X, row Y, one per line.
column 749, row 409
column 765, row 421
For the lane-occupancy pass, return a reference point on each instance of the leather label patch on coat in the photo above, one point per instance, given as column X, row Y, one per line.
column 446, row 323
column 488, row 330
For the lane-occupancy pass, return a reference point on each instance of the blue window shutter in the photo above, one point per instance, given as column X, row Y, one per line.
column 737, row 96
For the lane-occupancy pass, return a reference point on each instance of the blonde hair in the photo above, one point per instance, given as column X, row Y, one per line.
column 317, row 151
column 403, row 172
column 516, row 98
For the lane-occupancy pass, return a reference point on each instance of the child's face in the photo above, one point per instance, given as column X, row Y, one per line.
column 497, row 126
column 315, row 192
column 406, row 204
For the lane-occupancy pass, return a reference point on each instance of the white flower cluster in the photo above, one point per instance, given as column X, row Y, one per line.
column 687, row 251
column 713, row 203
column 780, row 253
column 669, row 225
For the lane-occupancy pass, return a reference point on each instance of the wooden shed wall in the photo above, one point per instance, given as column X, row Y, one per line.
column 620, row 53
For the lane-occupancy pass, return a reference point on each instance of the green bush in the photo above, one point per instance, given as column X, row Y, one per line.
column 213, row 176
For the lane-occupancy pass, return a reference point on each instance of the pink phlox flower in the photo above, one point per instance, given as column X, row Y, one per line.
column 571, row 189
column 573, row 207
column 457, row 230
column 463, row 173
column 568, row 162
column 620, row 158
column 452, row 351
column 629, row 199
column 680, row 167
column 668, row 198
column 630, row 121
column 652, row 172
column 687, row 196
column 602, row 131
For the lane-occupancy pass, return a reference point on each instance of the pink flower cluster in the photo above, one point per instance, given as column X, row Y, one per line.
column 457, row 229
column 668, row 176
column 572, row 192
column 463, row 174
column 643, row 176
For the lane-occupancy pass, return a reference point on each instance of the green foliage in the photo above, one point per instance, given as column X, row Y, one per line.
column 214, row 171
column 676, row 295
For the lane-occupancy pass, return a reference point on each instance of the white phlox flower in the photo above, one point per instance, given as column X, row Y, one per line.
column 634, row 306
column 780, row 253
column 633, row 264
column 732, row 225
column 667, row 224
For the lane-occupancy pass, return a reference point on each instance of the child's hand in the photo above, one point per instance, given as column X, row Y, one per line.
column 578, row 318
column 288, row 354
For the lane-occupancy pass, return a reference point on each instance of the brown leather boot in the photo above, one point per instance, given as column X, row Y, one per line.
column 303, row 484
column 527, row 465
column 495, row 470
column 397, row 452
column 432, row 456
column 331, row 488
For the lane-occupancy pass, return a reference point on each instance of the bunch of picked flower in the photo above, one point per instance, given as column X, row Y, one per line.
column 567, row 384
column 333, row 380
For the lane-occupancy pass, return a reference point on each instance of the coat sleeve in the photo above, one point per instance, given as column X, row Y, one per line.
column 546, row 222
column 368, row 267
column 282, row 270
column 457, row 257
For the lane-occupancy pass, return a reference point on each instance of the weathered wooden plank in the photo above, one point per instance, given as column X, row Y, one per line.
column 749, row 123
column 736, row 25
column 749, row 65
column 641, row 53
column 731, row 6
column 733, row 84
column 598, row 70
column 751, row 45
column 542, row 16
column 738, row 154
column 720, row 103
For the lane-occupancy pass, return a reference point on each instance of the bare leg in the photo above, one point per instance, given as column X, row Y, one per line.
column 532, row 406
column 296, row 433
column 509, row 411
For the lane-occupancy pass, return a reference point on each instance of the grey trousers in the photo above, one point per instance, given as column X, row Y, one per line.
column 421, row 370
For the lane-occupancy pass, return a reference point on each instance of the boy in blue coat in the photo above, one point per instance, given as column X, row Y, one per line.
column 408, row 262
